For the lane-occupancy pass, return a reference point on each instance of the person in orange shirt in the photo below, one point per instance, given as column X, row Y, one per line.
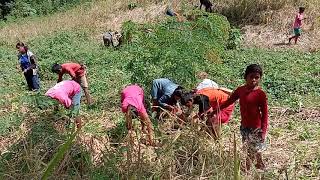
column 209, row 99
column 77, row 73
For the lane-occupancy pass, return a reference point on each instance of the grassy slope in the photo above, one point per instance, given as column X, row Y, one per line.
column 291, row 80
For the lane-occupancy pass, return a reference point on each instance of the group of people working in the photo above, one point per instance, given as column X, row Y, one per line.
column 215, row 104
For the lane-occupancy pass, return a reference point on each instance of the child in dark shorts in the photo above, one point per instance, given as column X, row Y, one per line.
column 254, row 115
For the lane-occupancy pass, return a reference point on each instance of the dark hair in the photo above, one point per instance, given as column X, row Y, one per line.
column 253, row 68
column 301, row 9
column 178, row 91
column 56, row 68
column 133, row 112
column 186, row 97
column 19, row 44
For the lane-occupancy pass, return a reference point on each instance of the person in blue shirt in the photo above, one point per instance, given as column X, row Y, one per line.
column 165, row 94
column 28, row 65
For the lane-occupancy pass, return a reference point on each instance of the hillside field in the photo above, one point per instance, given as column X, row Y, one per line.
column 31, row 131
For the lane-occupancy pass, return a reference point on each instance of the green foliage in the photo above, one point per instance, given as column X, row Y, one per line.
column 172, row 49
column 24, row 8
column 235, row 39
column 63, row 149
column 175, row 50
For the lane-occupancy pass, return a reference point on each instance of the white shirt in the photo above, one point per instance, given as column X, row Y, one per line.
column 207, row 83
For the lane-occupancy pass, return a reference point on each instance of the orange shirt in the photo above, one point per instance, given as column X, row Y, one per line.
column 216, row 96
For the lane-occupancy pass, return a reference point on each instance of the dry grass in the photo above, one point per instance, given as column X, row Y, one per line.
column 97, row 17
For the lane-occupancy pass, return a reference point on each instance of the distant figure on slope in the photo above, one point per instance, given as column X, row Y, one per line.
column 171, row 12
column 297, row 25
column 29, row 67
column 165, row 94
column 112, row 38
column 77, row 73
column 207, row 4
column 68, row 93
column 208, row 99
column 132, row 104
column 254, row 114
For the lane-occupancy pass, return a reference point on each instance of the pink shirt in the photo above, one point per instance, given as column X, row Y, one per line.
column 64, row 92
column 133, row 95
column 298, row 21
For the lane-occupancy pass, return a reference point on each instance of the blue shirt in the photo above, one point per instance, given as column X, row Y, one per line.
column 162, row 90
column 24, row 61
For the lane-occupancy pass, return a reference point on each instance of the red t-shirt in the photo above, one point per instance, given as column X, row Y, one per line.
column 253, row 107
column 73, row 69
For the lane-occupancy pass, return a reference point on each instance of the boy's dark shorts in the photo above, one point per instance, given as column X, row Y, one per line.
column 253, row 139
column 297, row 31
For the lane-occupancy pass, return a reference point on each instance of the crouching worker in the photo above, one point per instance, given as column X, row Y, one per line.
column 165, row 94
column 209, row 99
column 77, row 73
column 132, row 104
column 68, row 93
column 112, row 38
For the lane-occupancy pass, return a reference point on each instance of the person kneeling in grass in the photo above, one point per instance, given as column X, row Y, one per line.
column 132, row 104
column 209, row 99
column 77, row 73
column 254, row 115
column 68, row 93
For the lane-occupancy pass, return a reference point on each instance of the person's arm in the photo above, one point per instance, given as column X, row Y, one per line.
column 128, row 118
column 204, row 105
column 147, row 122
column 226, row 90
column 60, row 77
column 264, row 115
column 33, row 61
column 163, row 102
column 233, row 98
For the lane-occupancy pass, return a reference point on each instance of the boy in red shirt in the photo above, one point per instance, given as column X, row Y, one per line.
column 77, row 73
column 297, row 25
column 254, row 114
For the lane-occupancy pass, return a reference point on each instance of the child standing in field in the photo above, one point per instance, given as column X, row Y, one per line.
column 297, row 25
column 68, row 93
column 77, row 73
column 132, row 104
column 254, row 115
column 28, row 66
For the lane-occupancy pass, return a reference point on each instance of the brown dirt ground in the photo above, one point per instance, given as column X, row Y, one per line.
column 275, row 33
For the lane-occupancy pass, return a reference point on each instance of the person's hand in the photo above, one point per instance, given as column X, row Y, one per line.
column 78, row 122
column 170, row 108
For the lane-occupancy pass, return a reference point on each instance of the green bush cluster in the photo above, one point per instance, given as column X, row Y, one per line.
column 24, row 8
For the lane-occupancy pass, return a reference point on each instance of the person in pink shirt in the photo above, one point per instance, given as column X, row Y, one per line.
column 68, row 93
column 132, row 104
column 297, row 25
